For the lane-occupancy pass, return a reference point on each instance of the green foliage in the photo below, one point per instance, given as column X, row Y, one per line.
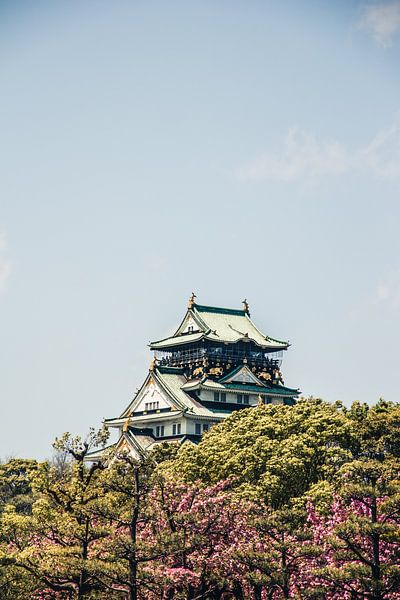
column 15, row 486
column 376, row 430
column 74, row 530
column 278, row 453
column 52, row 543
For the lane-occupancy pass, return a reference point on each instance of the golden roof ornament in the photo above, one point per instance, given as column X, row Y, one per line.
column 125, row 426
column 246, row 306
column 153, row 365
column 191, row 300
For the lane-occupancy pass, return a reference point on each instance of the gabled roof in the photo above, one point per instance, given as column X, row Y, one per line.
column 98, row 454
column 219, row 325
column 240, row 374
column 171, row 382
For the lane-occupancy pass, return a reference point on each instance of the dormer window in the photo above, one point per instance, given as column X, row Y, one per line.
column 190, row 329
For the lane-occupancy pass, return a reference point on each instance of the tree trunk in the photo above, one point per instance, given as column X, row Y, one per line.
column 133, row 591
column 285, row 585
column 83, row 586
column 257, row 592
column 376, row 566
column 238, row 591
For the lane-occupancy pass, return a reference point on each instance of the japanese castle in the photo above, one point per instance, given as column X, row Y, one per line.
column 216, row 362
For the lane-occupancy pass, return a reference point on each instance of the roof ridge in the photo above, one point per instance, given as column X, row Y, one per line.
column 219, row 309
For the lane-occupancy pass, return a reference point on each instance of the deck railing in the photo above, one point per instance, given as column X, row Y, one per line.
column 219, row 354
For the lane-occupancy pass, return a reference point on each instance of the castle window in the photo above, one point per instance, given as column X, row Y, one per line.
column 176, row 429
column 152, row 406
column 160, row 431
column 216, row 396
column 246, row 399
column 205, row 426
column 239, row 398
column 197, row 428
column 223, row 397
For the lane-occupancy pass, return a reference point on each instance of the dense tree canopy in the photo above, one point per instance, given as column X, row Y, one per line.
column 274, row 452
column 275, row 502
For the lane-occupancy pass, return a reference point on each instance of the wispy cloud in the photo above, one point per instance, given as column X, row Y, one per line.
column 157, row 263
column 5, row 263
column 388, row 290
column 382, row 21
column 304, row 156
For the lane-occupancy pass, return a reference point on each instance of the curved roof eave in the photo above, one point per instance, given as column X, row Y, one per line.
column 278, row 345
column 183, row 340
column 177, row 341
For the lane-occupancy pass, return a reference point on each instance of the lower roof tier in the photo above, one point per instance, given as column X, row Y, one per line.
column 167, row 392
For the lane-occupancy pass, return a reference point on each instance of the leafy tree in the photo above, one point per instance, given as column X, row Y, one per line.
column 275, row 453
column 367, row 538
column 127, row 552
column 221, row 521
column 206, row 527
column 278, row 556
column 16, row 494
column 56, row 543
column 15, row 486
column 360, row 549
column 376, row 431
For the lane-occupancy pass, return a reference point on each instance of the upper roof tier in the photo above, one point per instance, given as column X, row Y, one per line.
column 224, row 325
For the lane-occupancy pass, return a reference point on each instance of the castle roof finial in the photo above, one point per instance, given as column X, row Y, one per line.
column 191, row 300
column 125, row 426
column 246, row 306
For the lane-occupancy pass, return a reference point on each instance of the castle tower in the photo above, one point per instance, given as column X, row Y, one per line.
column 216, row 362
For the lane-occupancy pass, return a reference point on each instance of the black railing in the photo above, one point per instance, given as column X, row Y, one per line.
column 218, row 354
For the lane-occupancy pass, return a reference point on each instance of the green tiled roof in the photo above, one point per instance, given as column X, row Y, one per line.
column 272, row 390
column 220, row 325
column 231, row 373
column 231, row 325
column 177, row 341
column 172, row 383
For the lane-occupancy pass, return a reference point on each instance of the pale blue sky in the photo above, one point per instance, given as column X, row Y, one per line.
column 238, row 149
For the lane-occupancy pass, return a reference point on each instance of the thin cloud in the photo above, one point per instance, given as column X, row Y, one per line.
column 5, row 263
column 304, row 156
column 157, row 263
column 382, row 21
column 388, row 291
